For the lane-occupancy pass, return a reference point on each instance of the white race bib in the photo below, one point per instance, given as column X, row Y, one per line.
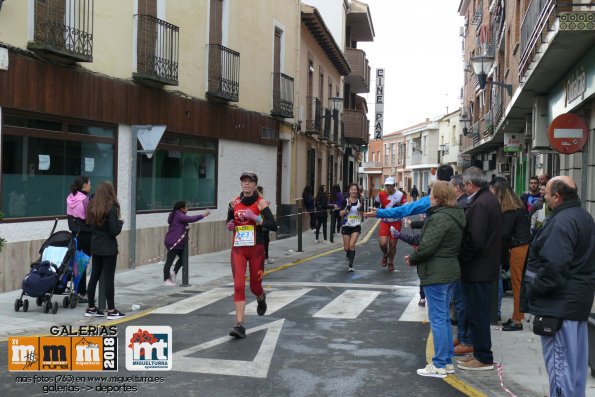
column 245, row 236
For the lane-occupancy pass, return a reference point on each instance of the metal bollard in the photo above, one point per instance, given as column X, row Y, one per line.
column 299, row 225
column 185, row 261
column 333, row 228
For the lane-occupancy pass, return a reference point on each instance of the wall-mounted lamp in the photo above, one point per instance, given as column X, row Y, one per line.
column 335, row 104
column 465, row 123
column 481, row 66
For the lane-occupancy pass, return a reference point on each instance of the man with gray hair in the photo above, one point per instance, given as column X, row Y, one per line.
column 479, row 258
column 558, row 287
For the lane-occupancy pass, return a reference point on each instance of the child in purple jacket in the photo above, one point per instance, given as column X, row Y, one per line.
column 175, row 237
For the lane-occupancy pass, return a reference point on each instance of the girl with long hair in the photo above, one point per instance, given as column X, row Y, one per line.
column 103, row 214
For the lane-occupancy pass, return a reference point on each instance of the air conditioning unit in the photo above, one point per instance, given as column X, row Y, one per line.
column 503, row 168
column 462, row 31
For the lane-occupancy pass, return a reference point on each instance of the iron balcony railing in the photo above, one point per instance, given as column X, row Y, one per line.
column 478, row 15
column 224, row 73
column 64, row 29
column 326, row 129
column 313, row 115
column 537, row 20
column 282, row 95
column 157, row 50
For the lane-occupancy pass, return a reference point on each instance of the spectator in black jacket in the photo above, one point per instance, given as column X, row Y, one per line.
column 516, row 235
column 103, row 214
column 308, row 199
column 559, row 283
column 322, row 207
column 480, row 264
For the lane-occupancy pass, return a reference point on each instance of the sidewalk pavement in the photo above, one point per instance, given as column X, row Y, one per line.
column 519, row 352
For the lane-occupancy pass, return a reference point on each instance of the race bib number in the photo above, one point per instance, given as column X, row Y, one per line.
column 353, row 220
column 244, row 237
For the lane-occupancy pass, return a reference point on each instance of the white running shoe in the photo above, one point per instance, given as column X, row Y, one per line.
column 169, row 283
column 432, row 371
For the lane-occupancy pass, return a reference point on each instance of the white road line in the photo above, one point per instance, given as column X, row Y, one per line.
column 413, row 312
column 195, row 302
column 348, row 305
column 257, row 368
column 339, row 285
column 277, row 299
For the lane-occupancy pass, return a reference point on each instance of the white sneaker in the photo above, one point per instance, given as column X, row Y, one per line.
column 169, row 283
column 317, row 241
column 172, row 276
column 450, row 368
column 432, row 371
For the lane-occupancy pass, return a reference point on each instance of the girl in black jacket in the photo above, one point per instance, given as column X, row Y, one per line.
column 103, row 214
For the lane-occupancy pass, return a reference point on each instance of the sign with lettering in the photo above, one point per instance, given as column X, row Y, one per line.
column 379, row 108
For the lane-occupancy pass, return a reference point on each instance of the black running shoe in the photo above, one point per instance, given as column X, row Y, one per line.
column 93, row 312
column 115, row 314
column 261, row 309
column 238, row 331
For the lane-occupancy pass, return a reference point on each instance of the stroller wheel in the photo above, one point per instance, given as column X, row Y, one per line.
column 17, row 305
column 26, row 305
column 65, row 302
column 47, row 307
column 73, row 301
column 39, row 300
column 55, row 308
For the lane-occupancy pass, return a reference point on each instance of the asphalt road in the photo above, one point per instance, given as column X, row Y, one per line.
column 327, row 333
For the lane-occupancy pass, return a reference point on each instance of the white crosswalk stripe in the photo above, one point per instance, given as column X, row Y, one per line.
column 349, row 305
column 277, row 300
column 414, row 312
column 195, row 302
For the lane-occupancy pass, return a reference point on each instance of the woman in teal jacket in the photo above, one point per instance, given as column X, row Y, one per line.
column 438, row 268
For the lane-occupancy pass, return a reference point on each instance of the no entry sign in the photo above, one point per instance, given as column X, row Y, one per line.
column 567, row 133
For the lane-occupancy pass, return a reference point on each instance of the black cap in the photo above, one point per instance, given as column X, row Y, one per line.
column 249, row 175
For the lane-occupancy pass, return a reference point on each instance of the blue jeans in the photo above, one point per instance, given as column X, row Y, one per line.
column 463, row 329
column 438, row 302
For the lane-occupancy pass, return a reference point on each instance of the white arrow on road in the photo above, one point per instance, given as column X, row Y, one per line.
column 257, row 368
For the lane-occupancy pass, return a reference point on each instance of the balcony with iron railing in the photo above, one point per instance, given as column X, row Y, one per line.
column 356, row 127
column 359, row 78
column 313, row 115
column 326, row 125
column 282, row 95
column 223, row 74
column 157, row 51
column 63, row 30
column 478, row 15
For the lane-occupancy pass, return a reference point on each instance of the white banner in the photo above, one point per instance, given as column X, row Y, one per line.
column 379, row 118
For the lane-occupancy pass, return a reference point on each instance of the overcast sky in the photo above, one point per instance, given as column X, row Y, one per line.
column 418, row 45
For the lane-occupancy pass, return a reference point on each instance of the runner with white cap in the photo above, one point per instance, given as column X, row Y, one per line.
column 390, row 197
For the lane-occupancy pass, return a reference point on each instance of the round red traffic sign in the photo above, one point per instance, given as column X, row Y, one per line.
column 567, row 133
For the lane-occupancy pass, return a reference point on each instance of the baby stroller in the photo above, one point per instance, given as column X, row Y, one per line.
column 51, row 273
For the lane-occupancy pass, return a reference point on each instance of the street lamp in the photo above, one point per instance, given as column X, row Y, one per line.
column 465, row 121
column 481, row 66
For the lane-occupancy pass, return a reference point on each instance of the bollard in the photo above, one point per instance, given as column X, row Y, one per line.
column 333, row 228
column 299, row 225
column 185, row 261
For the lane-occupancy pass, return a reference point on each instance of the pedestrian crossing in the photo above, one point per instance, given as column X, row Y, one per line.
column 348, row 305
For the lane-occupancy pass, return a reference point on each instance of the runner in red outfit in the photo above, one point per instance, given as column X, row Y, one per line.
column 389, row 198
column 247, row 214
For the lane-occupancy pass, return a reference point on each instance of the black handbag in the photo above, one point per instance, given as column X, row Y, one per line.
column 546, row 326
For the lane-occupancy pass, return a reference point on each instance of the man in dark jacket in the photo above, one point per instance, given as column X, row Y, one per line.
column 480, row 265
column 559, row 282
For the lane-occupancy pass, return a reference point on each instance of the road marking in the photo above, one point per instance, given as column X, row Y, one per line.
column 277, row 299
column 188, row 305
column 348, row 305
column 413, row 312
column 339, row 285
column 257, row 368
